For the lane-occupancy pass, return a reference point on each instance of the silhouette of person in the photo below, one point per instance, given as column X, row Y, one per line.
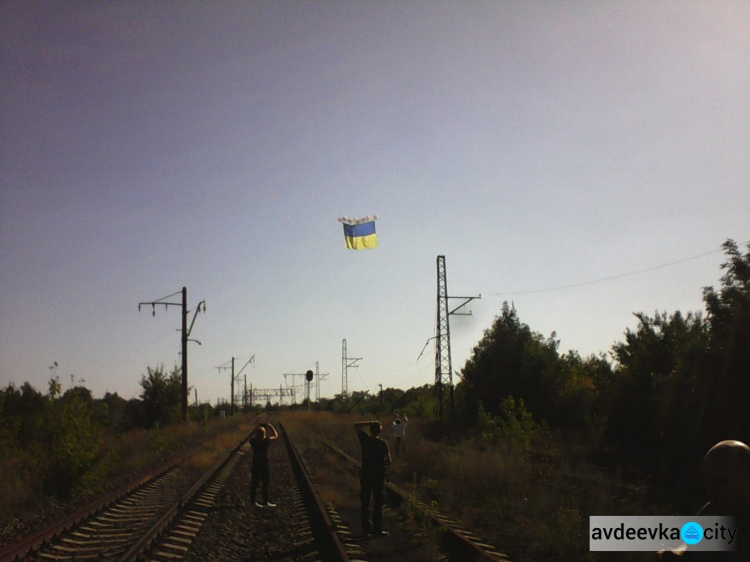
column 726, row 477
column 398, row 426
column 261, row 468
column 376, row 457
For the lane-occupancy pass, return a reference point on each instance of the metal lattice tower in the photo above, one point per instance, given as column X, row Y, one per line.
column 346, row 362
column 443, row 363
column 318, row 377
column 443, row 366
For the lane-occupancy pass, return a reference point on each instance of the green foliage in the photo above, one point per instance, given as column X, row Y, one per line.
column 517, row 423
column 678, row 384
column 726, row 383
column 72, row 441
column 423, row 405
column 514, row 425
column 161, row 396
column 201, row 414
column 512, row 360
column 20, row 412
column 651, row 416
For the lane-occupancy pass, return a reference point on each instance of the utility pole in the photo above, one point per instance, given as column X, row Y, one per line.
column 345, row 365
column 318, row 377
column 234, row 376
column 184, row 338
column 443, row 363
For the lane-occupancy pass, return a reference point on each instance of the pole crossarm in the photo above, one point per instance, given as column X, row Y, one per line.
column 160, row 301
column 345, row 366
column 185, row 338
column 230, row 365
column 195, row 315
column 467, row 300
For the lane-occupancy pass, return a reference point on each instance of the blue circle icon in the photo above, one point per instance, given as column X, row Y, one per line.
column 691, row 533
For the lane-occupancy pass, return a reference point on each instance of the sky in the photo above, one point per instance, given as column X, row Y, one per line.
column 582, row 160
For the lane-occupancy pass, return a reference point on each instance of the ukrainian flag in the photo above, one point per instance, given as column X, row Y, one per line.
column 360, row 236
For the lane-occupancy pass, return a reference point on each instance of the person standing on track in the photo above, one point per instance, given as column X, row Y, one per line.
column 261, row 471
column 376, row 457
column 399, row 431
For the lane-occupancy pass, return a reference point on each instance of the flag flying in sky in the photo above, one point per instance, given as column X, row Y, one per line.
column 360, row 233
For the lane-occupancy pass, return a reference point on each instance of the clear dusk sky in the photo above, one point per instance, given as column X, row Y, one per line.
column 584, row 160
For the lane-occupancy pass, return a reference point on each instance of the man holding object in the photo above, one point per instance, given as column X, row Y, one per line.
column 376, row 457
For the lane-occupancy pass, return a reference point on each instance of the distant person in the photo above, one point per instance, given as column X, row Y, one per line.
column 376, row 457
column 399, row 431
column 260, row 441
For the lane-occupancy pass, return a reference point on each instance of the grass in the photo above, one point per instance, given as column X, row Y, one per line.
column 119, row 459
column 533, row 503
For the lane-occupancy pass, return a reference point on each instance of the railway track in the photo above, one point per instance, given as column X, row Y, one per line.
column 116, row 526
column 172, row 516
column 298, row 528
column 457, row 543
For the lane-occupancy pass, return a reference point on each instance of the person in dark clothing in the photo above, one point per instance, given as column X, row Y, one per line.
column 261, row 439
column 376, row 457
column 726, row 474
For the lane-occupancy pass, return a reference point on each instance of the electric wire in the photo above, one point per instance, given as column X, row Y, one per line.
column 605, row 279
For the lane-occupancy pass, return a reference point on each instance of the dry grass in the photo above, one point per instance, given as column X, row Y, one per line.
column 120, row 459
column 532, row 504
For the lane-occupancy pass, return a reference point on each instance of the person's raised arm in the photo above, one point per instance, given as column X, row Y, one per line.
column 275, row 433
column 359, row 426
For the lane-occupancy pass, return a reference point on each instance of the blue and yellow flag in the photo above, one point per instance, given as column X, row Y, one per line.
column 360, row 233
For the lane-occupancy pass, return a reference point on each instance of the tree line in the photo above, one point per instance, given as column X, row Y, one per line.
column 62, row 437
column 676, row 385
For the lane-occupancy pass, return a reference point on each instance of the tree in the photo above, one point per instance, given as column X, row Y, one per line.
column 161, row 396
column 681, row 383
column 21, row 411
column 511, row 360
column 651, row 421
column 726, row 384
column 72, row 441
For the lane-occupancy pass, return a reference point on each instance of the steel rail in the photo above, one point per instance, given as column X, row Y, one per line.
column 26, row 547
column 150, row 538
column 455, row 540
column 323, row 528
column 100, row 508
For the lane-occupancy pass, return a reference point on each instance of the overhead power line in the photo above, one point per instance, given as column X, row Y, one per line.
column 604, row 279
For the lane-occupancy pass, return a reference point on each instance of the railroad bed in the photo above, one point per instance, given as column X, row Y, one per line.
column 177, row 514
column 238, row 530
column 164, row 521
